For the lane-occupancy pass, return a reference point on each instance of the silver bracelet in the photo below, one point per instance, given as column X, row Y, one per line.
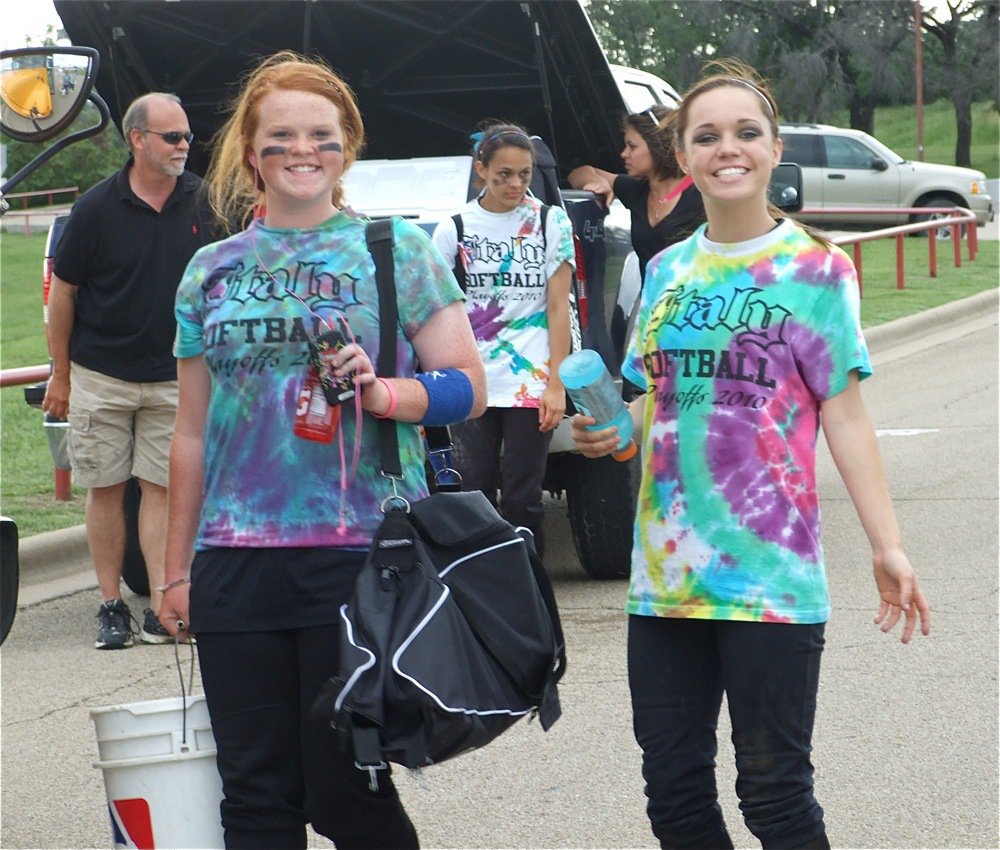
column 163, row 588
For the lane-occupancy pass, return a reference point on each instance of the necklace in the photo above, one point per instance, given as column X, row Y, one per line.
column 659, row 207
column 663, row 204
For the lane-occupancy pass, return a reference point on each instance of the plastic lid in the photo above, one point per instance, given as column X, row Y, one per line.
column 627, row 453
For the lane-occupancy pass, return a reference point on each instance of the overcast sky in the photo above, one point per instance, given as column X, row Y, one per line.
column 26, row 18
column 30, row 17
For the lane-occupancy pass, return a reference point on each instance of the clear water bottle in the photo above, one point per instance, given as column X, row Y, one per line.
column 594, row 393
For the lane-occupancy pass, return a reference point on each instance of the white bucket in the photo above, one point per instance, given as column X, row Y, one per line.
column 160, row 775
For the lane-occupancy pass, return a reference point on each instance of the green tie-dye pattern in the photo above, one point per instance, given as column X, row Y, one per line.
column 263, row 485
column 696, row 555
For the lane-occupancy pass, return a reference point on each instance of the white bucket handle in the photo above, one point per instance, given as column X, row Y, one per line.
column 190, row 685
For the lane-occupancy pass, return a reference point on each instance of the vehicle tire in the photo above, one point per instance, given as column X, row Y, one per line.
column 10, row 576
column 134, row 566
column 600, row 502
column 936, row 201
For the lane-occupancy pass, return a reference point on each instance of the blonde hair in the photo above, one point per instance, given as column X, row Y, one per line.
column 736, row 74
column 234, row 190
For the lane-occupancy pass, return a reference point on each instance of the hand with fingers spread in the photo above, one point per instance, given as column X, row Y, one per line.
column 900, row 595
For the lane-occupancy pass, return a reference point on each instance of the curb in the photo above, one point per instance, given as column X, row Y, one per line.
column 48, row 556
column 937, row 319
column 51, row 555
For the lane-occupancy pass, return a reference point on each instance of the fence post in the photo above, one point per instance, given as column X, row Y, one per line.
column 956, row 241
column 63, row 484
column 899, row 261
column 932, row 251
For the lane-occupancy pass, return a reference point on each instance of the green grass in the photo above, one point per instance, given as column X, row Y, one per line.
column 882, row 301
column 26, row 486
column 896, row 126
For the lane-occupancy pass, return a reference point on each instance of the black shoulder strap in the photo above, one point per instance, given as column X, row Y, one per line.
column 378, row 235
column 543, row 215
column 459, row 268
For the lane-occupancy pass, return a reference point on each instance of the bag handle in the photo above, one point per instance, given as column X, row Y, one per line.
column 378, row 235
column 379, row 238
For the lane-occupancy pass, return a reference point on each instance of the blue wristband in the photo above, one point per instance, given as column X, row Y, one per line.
column 449, row 396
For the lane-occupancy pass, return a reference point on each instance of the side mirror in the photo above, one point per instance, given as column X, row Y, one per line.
column 43, row 89
column 879, row 164
column 785, row 191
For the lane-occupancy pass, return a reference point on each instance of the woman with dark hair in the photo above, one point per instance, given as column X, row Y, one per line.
column 665, row 206
column 516, row 258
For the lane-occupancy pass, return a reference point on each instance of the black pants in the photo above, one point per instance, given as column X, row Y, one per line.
column 678, row 670
column 279, row 768
column 504, row 450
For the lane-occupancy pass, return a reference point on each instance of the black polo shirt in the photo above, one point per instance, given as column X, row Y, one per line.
column 127, row 260
column 684, row 218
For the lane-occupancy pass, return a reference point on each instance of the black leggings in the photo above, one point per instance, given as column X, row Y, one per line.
column 503, row 449
column 279, row 768
column 678, row 670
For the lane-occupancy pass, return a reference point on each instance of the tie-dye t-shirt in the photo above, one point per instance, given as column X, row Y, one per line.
column 507, row 272
column 247, row 304
column 737, row 345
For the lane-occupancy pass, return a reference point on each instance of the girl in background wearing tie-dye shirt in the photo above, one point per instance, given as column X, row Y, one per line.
column 517, row 284
column 278, row 525
column 747, row 340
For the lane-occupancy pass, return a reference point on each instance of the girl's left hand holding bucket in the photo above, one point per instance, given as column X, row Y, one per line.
column 174, row 613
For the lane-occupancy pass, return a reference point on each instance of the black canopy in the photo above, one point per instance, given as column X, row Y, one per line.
column 425, row 71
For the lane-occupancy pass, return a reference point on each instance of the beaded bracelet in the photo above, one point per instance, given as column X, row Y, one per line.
column 177, row 582
column 393, row 400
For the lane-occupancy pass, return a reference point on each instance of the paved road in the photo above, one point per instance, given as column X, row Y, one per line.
column 906, row 737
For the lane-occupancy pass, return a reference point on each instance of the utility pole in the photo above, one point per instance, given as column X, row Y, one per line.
column 918, row 57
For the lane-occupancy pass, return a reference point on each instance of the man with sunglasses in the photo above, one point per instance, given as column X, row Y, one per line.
column 111, row 330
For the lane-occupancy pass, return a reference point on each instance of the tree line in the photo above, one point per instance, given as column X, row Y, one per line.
column 819, row 57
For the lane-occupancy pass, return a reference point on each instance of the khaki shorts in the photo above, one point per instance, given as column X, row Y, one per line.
column 118, row 429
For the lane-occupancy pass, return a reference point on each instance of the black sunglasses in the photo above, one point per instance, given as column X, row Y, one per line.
column 173, row 137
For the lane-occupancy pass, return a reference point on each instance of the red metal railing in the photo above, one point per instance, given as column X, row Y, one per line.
column 48, row 194
column 43, row 213
column 954, row 218
column 23, row 375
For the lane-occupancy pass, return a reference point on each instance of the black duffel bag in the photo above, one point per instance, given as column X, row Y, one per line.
column 452, row 633
column 451, row 636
